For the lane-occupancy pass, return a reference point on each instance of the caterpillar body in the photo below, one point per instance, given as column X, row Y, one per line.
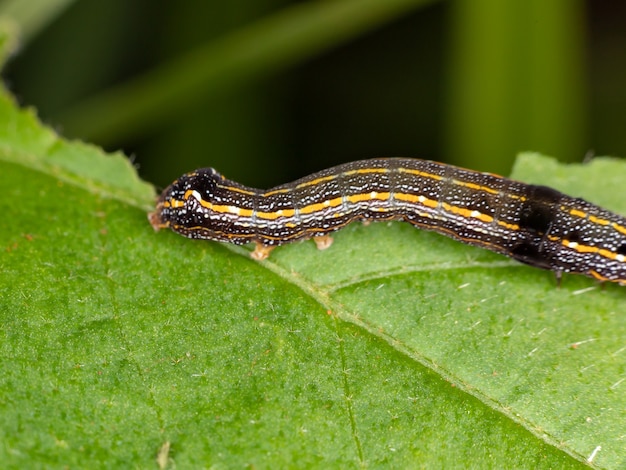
column 533, row 224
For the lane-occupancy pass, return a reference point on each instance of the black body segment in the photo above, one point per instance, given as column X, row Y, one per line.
column 536, row 225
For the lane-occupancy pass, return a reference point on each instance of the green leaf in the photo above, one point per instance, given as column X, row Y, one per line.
column 395, row 347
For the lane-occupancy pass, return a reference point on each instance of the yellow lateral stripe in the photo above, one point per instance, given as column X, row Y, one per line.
column 580, row 248
column 576, row 212
column 238, row 190
column 596, row 220
column 276, row 214
column 365, row 171
column 368, row 197
column 317, row 181
column 277, row 191
column 323, row 179
column 356, row 198
column 467, row 184
column 475, row 186
column 589, row 249
column 314, row 182
column 599, row 276
column 175, row 203
column 504, row 224
column 219, row 208
column 424, row 201
column 224, row 209
column 312, row 208
column 607, row 254
column 431, row 176
column 619, row 228
column 467, row 213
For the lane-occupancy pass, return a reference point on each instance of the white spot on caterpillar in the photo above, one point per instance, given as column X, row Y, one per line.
column 373, row 195
column 196, row 195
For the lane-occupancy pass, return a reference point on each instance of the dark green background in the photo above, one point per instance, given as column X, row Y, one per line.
column 471, row 82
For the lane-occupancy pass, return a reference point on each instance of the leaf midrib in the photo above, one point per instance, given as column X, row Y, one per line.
column 323, row 296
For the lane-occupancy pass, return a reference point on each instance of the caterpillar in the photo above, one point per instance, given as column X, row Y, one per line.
column 535, row 225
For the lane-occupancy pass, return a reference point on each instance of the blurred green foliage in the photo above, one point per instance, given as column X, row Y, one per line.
column 270, row 90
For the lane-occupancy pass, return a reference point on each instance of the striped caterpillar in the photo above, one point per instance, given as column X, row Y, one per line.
column 533, row 224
